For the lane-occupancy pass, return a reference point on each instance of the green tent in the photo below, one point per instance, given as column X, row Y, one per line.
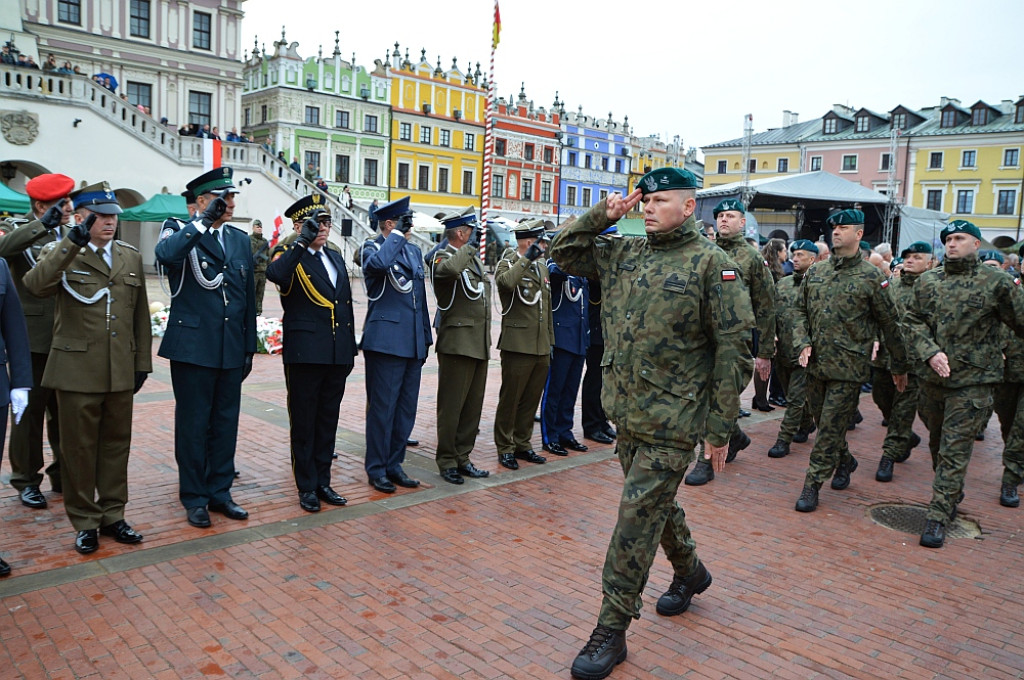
column 157, row 209
column 13, row 202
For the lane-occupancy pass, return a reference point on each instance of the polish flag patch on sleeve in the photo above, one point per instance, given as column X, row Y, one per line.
column 885, row 283
column 728, row 274
column 1016, row 281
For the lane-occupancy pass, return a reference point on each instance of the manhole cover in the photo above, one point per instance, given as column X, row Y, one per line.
column 910, row 519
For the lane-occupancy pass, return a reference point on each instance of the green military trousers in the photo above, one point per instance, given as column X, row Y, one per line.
column 902, row 412
column 883, row 391
column 798, row 412
column 1009, row 406
column 833, row 403
column 953, row 417
column 648, row 515
column 461, row 383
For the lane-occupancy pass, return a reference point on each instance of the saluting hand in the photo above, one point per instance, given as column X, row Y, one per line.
column 534, row 251
column 310, row 230
column 214, row 212
column 79, row 234
column 52, row 218
column 617, row 206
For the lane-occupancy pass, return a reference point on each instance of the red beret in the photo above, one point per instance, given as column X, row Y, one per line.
column 49, row 187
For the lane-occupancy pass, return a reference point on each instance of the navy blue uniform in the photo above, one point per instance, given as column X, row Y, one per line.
column 569, row 302
column 210, row 333
column 396, row 336
column 592, row 413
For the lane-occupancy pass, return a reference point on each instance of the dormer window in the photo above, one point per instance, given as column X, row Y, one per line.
column 899, row 121
column 863, row 124
column 980, row 116
column 1019, row 117
column 948, row 118
column 831, row 126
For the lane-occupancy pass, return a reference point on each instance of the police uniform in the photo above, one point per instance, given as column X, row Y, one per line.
column 21, row 247
column 677, row 320
column 396, row 337
column 260, row 257
column 210, row 341
column 569, row 301
column 463, row 293
column 958, row 309
column 844, row 303
column 525, row 344
column 100, row 355
column 319, row 349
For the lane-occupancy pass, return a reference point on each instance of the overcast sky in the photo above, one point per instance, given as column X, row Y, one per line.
column 679, row 67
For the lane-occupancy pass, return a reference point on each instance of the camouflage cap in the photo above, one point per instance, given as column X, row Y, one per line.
column 848, row 216
column 917, row 247
column 803, row 244
column 960, row 227
column 729, row 204
column 664, row 179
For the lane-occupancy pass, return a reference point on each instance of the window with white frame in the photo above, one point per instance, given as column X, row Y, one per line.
column 850, row 163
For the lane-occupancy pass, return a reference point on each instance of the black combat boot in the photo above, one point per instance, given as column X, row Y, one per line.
column 701, row 474
column 605, row 650
column 915, row 439
column 1008, row 497
column 884, row 473
column 779, row 450
column 841, row 478
column 737, row 443
column 676, row 599
column 934, row 534
column 801, row 435
column 808, row 501
column 857, row 419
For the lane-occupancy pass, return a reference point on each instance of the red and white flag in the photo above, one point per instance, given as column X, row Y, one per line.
column 211, row 154
column 278, row 221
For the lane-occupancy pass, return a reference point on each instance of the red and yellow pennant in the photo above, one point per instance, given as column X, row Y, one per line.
column 497, row 25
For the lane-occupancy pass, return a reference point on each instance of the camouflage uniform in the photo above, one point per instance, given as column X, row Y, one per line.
column 902, row 405
column 844, row 302
column 1009, row 406
column 958, row 308
column 792, row 376
column 260, row 257
column 676, row 318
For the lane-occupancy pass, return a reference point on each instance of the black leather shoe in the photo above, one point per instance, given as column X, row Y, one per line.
column 383, row 484
column 603, row 652
column 401, row 479
column 56, row 485
column 801, row 435
column 701, row 474
column 779, row 450
column 778, row 401
column 841, row 478
column 470, row 470
column 763, row 406
column 5, row 568
column 32, row 497
column 884, row 473
column 330, row 496
column 121, row 532
column 412, row 442
column 87, row 541
column 229, row 509
column 737, row 443
column 508, row 460
column 808, row 501
column 743, row 413
column 237, row 474
column 531, row 456
column 556, row 448
column 676, row 599
column 885, row 422
column 599, row 437
column 308, row 501
column 934, row 534
column 610, row 431
column 574, row 445
column 980, row 437
column 198, row 517
column 452, row 476
column 1008, row 497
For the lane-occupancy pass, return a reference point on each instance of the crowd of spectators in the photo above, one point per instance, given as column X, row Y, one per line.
column 12, row 56
column 206, row 132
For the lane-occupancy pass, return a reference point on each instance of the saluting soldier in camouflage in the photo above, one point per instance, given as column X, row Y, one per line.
column 797, row 422
column 676, row 318
column 954, row 323
column 900, row 438
column 845, row 301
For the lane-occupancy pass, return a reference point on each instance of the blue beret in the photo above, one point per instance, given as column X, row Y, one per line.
column 960, row 227
column 848, row 216
column 917, row 247
column 803, row 244
column 729, row 204
column 664, row 179
column 392, row 210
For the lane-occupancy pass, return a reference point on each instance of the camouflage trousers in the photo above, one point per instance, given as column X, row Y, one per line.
column 798, row 411
column 1009, row 406
column 901, row 417
column 833, row 403
column 883, row 391
column 648, row 515
column 953, row 417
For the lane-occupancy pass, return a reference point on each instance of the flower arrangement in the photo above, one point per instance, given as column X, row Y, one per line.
column 268, row 329
column 158, row 313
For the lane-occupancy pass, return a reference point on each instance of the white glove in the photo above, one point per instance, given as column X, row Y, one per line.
column 19, row 400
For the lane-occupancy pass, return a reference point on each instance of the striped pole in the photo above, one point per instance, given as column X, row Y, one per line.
column 485, row 199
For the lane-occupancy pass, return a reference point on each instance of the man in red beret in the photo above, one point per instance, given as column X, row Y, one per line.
column 51, row 211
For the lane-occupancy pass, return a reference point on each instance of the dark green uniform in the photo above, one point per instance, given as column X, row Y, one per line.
column 260, row 258
column 844, row 302
column 761, row 285
column 676, row 319
column 21, row 248
column 958, row 308
column 525, row 343
column 791, row 374
column 463, row 350
column 902, row 405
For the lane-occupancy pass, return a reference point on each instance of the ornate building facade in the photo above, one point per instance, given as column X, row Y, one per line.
column 526, row 149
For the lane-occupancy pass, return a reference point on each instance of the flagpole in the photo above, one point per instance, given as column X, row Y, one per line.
column 485, row 199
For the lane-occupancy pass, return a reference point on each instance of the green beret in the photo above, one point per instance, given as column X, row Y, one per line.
column 803, row 244
column 664, row 179
column 991, row 255
column 895, row 262
column 960, row 227
column 729, row 204
column 917, row 247
column 848, row 216
column 864, row 245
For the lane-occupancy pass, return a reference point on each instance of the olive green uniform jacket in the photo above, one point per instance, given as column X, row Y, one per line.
column 465, row 325
column 21, row 248
column 525, row 294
